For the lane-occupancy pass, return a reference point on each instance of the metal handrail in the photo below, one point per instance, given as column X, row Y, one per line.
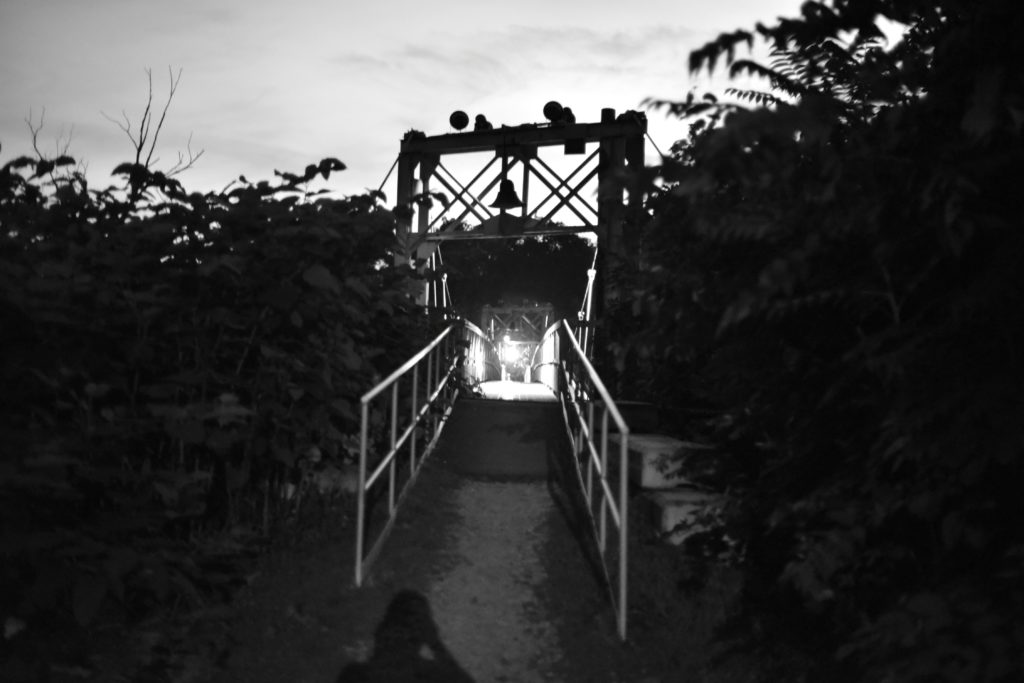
column 579, row 390
column 481, row 354
column 541, row 348
column 435, row 387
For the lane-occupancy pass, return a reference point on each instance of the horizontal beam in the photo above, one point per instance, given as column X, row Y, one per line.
column 530, row 134
column 479, row 235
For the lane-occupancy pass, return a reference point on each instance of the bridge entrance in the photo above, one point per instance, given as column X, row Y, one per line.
column 558, row 177
column 523, row 344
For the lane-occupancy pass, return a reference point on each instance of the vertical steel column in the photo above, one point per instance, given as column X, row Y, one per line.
column 428, row 164
column 406, row 188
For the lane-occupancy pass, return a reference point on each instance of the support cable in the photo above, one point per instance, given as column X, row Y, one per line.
column 656, row 148
column 385, row 181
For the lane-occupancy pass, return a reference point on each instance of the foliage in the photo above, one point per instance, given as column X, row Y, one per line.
column 179, row 370
column 832, row 265
column 486, row 272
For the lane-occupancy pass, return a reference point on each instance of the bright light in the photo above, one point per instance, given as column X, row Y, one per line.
column 509, row 352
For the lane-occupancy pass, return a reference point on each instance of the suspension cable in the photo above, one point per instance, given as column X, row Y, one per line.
column 656, row 148
column 385, row 181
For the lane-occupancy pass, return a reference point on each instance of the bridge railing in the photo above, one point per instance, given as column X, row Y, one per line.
column 405, row 413
column 481, row 358
column 589, row 412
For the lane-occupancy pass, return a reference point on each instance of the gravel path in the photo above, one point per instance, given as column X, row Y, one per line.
column 486, row 607
column 457, row 587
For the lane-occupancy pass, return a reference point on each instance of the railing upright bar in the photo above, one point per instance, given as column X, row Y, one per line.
column 367, row 551
column 623, row 534
column 415, row 414
column 364, row 422
column 584, row 385
column 394, row 444
column 590, row 460
column 603, row 529
column 430, row 380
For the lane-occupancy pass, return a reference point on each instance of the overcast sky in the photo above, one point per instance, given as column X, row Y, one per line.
column 277, row 85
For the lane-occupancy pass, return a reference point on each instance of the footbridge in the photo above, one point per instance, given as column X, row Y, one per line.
column 460, row 395
column 454, row 391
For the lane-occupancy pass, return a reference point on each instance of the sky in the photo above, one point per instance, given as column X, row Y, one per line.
column 279, row 85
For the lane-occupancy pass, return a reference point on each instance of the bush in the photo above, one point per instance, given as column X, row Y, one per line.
column 832, row 266
column 174, row 364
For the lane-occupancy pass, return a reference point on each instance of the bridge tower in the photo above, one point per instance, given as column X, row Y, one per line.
column 553, row 197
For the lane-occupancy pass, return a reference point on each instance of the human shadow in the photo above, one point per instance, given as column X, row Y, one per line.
column 406, row 647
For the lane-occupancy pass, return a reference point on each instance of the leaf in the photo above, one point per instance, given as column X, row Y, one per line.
column 330, row 164
column 358, row 285
column 284, row 296
column 43, row 167
column 344, row 408
column 20, row 162
column 88, row 596
column 320, row 277
column 980, row 119
column 190, row 431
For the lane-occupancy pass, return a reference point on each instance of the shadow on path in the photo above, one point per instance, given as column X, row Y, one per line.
column 406, row 648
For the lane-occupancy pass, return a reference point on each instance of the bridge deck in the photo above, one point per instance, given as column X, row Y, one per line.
column 492, row 494
column 484, row 576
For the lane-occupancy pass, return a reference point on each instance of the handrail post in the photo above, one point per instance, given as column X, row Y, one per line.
column 590, row 460
column 603, row 527
column 584, row 386
column 368, row 545
column 361, row 493
column 623, row 534
column 394, row 441
column 415, row 414
column 430, row 383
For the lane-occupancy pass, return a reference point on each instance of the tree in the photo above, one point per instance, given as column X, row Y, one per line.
column 830, row 264
column 144, row 136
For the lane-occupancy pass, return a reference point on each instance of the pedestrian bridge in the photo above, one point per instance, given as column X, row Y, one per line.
column 562, row 417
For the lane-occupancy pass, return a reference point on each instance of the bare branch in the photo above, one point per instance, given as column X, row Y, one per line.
column 63, row 145
column 185, row 164
column 34, row 130
column 145, row 136
column 167, row 105
column 125, row 127
column 144, row 122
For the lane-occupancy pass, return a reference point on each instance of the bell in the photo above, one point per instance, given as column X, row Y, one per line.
column 507, row 197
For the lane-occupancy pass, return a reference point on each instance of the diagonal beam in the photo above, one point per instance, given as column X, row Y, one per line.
column 490, row 185
column 564, row 183
column 460, row 196
column 565, row 200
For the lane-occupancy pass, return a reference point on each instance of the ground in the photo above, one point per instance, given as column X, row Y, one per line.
column 481, row 579
column 485, row 577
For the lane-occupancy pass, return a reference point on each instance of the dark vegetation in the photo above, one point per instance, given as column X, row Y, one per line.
column 829, row 267
column 544, row 270
column 180, row 383
column 832, row 267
